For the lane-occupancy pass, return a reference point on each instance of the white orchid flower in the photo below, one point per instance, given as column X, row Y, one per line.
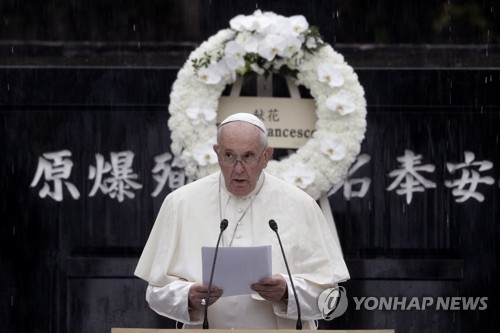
column 330, row 74
column 204, row 154
column 333, row 148
column 341, row 103
column 293, row 45
column 277, row 26
column 256, row 22
column 266, row 22
column 263, row 25
column 234, row 55
column 201, row 114
column 212, row 74
column 299, row 176
column 242, row 23
column 299, row 24
column 249, row 41
column 271, row 46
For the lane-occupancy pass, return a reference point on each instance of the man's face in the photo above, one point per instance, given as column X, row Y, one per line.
column 241, row 141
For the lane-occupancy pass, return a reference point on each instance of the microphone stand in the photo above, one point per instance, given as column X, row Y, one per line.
column 223, row 226
column 274, row 227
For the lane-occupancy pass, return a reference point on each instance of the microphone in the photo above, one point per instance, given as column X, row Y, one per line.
column 274, row 227
column 223, row 226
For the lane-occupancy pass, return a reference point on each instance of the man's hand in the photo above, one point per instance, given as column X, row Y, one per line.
column 272, row 288
column 198, row 293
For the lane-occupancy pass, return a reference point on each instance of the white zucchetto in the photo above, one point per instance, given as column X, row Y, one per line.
column 246, row 117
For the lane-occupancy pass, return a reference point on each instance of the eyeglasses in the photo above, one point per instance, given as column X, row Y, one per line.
column 248, row 160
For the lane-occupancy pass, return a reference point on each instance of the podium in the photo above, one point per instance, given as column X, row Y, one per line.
column 154, row 330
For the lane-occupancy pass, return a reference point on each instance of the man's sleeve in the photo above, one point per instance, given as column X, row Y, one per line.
column 172, row 301
column 307, row 293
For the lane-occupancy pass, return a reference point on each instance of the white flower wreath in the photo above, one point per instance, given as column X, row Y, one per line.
column 263, row 44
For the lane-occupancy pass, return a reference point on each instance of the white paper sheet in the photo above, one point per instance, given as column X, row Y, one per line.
column 236, row 268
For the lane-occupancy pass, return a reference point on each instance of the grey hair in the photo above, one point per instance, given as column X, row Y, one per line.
column 262, row 134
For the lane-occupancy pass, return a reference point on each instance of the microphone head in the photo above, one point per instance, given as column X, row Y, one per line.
column 273, row 225
column 223, row 225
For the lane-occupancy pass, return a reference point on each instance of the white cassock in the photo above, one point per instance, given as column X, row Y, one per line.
column 190, row 218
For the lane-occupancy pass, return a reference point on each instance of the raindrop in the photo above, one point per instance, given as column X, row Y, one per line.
column 12, row 49
column 487, row 41
column 449, row 24
column 139, row 44
column 13, row 230
column 451, row 87
column 11, row 300
column 8, row 86
column 133, row 27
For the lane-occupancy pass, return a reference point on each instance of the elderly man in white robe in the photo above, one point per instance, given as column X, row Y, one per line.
column 248, row 197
